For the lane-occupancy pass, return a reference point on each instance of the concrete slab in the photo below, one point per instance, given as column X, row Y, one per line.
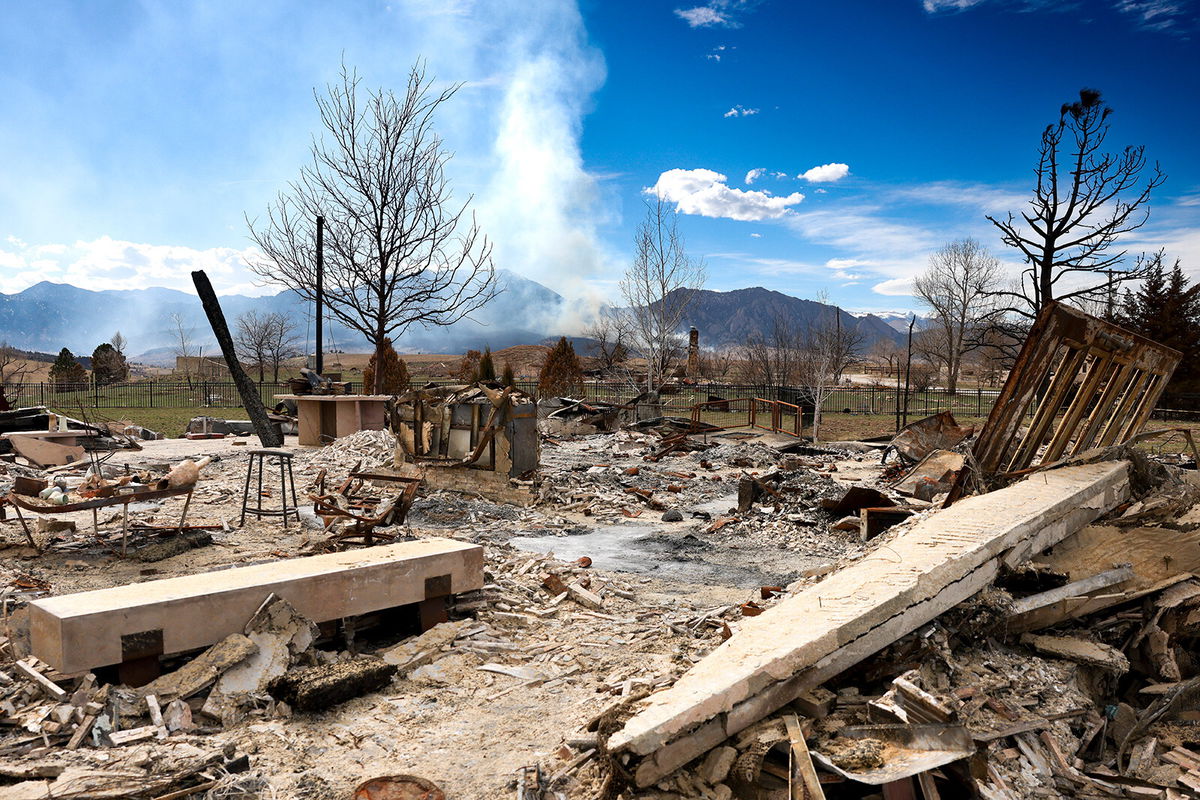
column 855, row 612
column 77, row 632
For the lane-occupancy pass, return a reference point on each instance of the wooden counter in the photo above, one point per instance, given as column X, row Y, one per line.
column 325, row 417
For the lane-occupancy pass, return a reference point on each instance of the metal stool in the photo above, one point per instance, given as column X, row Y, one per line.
column 286, row 481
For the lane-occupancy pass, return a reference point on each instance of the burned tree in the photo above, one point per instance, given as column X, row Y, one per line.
column 1084, row 200
column 561, row 372
column 395, row 370
column 829, row 348
column 657, row 288
column 399, row 251
column 771, row 359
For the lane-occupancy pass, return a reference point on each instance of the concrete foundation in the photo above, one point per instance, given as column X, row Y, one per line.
column 78, row 632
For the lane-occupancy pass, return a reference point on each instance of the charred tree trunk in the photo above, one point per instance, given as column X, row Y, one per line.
column 268, row 434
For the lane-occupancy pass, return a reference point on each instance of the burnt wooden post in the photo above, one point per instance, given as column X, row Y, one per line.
column 268, row 434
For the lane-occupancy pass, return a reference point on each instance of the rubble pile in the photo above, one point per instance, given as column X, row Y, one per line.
column 368, row 448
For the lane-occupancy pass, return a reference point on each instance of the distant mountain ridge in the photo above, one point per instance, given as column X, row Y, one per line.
column 727, row 319
column 899, row 320
column 48, row 316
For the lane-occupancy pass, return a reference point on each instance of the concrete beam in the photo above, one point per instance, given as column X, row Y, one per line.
column 857, row 611
column 77, row 632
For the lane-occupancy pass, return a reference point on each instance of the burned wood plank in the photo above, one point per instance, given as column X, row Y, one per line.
column 1123, row 376
column 317, row 688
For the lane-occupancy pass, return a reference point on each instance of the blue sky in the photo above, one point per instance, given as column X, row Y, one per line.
column 808, row 146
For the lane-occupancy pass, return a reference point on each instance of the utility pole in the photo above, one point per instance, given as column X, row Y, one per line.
column 1111, row 287
column 908, row 366
column 319, row 366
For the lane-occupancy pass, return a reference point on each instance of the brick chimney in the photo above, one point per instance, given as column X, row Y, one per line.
column 693, row 362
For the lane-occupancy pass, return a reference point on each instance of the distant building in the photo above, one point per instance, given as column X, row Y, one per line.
column 202, row 367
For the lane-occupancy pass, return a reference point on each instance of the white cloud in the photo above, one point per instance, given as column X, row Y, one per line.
column 894, row 287
column 704, row 192
column 740, row 111
column 988, row 199
column 756, row 236
column 754, row 175
column 703, row 17
column 934, row 6
column 826, row 173
column 769, row 266
column 715, row 13
column 107, row 263
column 780, row 175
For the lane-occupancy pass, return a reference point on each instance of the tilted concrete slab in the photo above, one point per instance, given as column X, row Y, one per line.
column 76, row 632
column 827, row 628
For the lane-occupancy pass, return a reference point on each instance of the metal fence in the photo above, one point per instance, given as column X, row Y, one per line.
column 677, row 400
column 874, row 400
column 197, row 393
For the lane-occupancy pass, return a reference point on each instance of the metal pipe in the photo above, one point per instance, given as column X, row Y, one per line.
column 319, row 366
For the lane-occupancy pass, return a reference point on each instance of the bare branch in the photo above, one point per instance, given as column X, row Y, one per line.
column 399, row 251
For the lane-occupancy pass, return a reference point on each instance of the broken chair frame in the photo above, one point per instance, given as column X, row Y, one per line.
column 372, row 511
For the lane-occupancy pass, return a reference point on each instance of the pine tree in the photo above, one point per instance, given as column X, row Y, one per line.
column 1166, row 308
column 508, row 378
column 561, row 374
column 67, row 373
column 487, row 369
column 109, row 365
column 395, row 371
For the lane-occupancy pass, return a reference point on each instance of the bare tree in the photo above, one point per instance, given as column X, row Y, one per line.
column 1084, row 200
column 283, row 343
column 817, row 367
column 251, row 337
column 14, row 368
column 119, row 342
column 658, row 287
column 829, row 347
column 399, row 251
column 182, row 346
column 610, row 334
column 716, row 363
column 887, row 356
column 264, row 341
column 773, row 359
column 958, row 286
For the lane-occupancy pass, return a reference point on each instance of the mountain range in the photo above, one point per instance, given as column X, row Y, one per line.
column 727, row 319
column 49, row 316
